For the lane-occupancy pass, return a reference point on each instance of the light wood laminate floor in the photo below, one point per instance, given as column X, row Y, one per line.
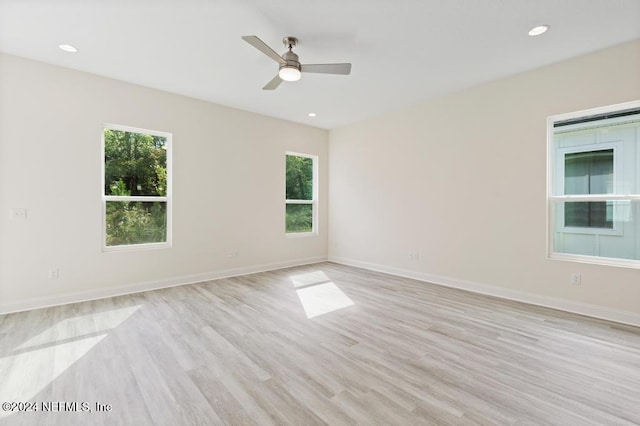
column 377, row 349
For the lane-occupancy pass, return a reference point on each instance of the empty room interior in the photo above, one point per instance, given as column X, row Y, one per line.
column 336, row 212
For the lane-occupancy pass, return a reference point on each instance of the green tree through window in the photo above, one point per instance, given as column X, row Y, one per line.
column 135, row 187
column 137, row 160
column 299, row 193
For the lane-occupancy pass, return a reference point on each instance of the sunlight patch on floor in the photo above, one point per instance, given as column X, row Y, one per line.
column 310, row 278
column 82, row 325
column 318, row 295
column 32, row 366
column 27, row 374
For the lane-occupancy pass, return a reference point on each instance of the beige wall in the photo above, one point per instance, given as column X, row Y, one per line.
column 228, row 186
column 462, row 180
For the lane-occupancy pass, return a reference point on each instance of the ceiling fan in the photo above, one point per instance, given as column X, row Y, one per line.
column 290, row 67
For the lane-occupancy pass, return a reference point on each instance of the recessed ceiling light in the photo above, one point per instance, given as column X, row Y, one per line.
column 68, row 48
column 540, row 29
column 312, row 114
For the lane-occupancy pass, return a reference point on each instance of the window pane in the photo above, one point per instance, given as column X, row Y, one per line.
column 299, row 178
column 299, row 218
column 617, row 237
column 589, row 172
column 136, row 222
column 135, row 164
column 592, row 214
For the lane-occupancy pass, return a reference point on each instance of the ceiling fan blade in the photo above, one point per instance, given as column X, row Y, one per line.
column 344, row 69
column 262, row 46
column 273, row 84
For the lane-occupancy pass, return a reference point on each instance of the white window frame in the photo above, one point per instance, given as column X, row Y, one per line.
column 313, row 201
column 617, row 196
column 166, row 199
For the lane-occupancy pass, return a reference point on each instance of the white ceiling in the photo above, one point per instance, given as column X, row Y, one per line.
column 402, row 51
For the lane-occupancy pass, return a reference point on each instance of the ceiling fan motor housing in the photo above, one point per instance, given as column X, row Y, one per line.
column 291, row 60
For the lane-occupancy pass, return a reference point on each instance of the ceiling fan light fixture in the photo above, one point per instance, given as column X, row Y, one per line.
column 289, row 73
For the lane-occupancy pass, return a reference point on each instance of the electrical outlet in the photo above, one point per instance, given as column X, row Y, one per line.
column 233, row 253
column 576, row 278
column 54, row 274
column 413, row 255
column 18, row 213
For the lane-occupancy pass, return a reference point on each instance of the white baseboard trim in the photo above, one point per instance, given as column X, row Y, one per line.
column 589, row 310
column 101, row 293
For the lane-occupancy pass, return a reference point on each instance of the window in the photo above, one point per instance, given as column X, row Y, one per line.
column 588, row 172
column 136, row 188
column 301, row 193
column 594, row 185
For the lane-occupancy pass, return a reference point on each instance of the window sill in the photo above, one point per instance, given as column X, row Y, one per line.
column 301, row 234
column 596, row 260
column 136, row 247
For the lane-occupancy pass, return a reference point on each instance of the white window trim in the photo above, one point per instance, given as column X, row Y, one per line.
column 313, row 202
column 167, row 199
column 551, row 254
